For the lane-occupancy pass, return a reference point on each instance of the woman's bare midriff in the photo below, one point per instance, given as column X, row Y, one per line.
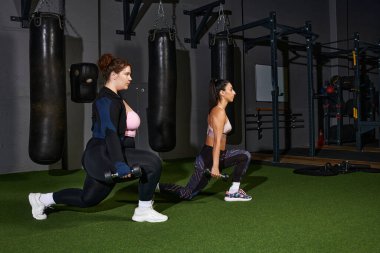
column 210, row 142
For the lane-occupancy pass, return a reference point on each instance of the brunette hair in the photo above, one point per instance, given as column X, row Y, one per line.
column 108, row 63
column 216, row 85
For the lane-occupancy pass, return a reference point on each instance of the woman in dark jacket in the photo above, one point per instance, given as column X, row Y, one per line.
column 108, row 152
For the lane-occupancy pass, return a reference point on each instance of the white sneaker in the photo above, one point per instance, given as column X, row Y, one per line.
column 38, row 208
column 148, row 214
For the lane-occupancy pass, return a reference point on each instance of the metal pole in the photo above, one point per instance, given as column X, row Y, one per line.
column 126, row 17
column 357, row 110
column 378, row 87
column 273, row 43
column 309, row 49
column 99, row 29
column 339, row 117
column 244, row 87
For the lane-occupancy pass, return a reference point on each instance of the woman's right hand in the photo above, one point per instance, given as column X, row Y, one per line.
column 123, row 170
column 215, row 172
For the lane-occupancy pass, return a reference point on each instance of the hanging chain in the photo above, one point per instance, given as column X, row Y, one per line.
column 222, row 20
column 160, row 11
column 160, row 19
column 41, row 4
column 174, row 18
column 227, row 24
column 72, row 27
column 174, row 27
column 46, row 4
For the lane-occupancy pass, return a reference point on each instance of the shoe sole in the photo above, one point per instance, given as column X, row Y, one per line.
column 141, row 219
column 33, row 203
column 236, row 199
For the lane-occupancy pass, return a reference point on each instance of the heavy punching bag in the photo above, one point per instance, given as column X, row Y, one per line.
column 47, row 88
column 222, row 65
column 162, row 88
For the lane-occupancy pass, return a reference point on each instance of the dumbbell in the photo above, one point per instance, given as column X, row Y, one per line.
column 114, row 177
column 223, row 176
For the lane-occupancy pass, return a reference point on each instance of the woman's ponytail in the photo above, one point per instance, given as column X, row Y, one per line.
column 213, row 97
column 216, row 85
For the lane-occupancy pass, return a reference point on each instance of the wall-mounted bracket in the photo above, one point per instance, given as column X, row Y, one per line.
column 25, row 10
column 209, row 18
column 131, row 18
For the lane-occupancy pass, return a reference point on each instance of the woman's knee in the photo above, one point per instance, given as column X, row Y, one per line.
column 186, row 195
column 89, row 202
column 244, row 156
column 156, row 162
column 248, row 155
column 152, row 164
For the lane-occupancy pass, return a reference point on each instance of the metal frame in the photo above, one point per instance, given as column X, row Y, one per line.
column 363, row 126
column 25, row 9
column 209, row 18
column 131, row 18
column 290, row 121
column 271, row 24
column 359, row 48
column 276, row 31
column 309, row 48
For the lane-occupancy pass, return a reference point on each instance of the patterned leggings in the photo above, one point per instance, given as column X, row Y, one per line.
column 228, row 158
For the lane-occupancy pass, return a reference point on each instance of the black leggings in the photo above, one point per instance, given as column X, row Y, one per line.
column 94, row 191
column 240, row 159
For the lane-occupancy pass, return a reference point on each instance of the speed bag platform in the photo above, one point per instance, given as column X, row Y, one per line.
column 83, row 82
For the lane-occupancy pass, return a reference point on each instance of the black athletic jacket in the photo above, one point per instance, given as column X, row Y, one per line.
column 109, row 123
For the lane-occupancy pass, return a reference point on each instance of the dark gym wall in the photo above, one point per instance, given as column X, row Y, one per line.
column 193, row 68
column 81, row 46
column 358, row 16
column 14, row 104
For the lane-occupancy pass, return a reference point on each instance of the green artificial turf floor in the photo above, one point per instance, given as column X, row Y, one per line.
column 289, row 213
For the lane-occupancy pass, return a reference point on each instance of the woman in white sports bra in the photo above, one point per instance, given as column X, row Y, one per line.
column 214, row 155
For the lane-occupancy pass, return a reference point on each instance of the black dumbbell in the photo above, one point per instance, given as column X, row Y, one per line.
column 114, row 177
column 223, row 176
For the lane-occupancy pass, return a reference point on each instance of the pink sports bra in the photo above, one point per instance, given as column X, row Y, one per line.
column 133, row 122
column 227, row 128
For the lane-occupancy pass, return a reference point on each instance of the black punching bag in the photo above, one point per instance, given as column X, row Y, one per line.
column 162, row 87
column 47, row 88
column 222, row 66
